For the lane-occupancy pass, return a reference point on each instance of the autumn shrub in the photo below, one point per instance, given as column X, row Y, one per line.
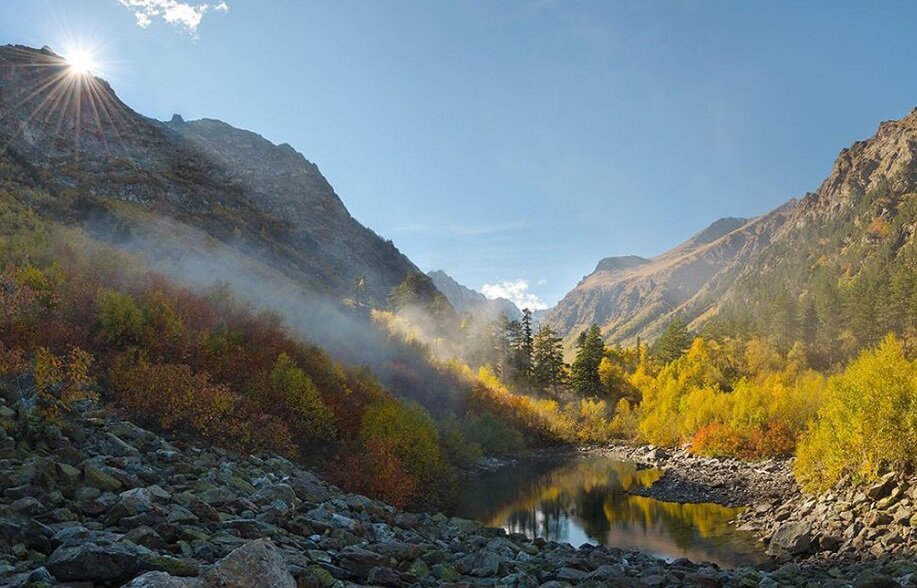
column 172, row 397
column 869, row 422
column 624, row 423
column 459, row 449
column 718, row 440
column 409, row 433
column 592, row 420
column 375, row 470
column 120, row 318
column 493, row 435
column 289, row 393
column 62, row 381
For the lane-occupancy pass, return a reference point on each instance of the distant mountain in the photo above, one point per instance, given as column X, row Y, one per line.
column 856, row 231
column 466, row 300
column 74, row 138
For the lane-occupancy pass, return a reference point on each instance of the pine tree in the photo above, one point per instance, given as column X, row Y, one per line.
column 585, row 369
column 673, row 342
column 526, row 344
column 548, row 367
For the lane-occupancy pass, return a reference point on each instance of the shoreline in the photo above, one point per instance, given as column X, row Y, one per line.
column 840, row 528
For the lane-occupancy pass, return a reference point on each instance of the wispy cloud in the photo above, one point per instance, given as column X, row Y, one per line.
column 186, row 15
column 516, row 291
column 459, row 230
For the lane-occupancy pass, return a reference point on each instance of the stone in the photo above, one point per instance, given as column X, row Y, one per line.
column 160, row 580
column 258, row 563
column 27, row 506
column 490, row 565
column 793, row 538
column 100, row 558
column 98, row 478
column 360, row 561
column 379, row 576
column 882, row 488
column 569, row 574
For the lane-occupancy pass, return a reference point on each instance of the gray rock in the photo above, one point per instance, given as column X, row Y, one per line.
column 160, row 580
column 791, row 538
column 102, row 557
column 384, row 577
column 254, row 565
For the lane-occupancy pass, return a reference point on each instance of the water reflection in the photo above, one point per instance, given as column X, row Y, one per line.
column 584, row 500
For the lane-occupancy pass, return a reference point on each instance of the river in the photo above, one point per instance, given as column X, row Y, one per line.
column 580, row 499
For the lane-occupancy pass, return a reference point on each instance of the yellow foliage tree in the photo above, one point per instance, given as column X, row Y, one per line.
column 869, row 422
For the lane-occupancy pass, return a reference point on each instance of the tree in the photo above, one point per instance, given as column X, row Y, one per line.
column 784, row 318
column 526, row 343
column 585, row 369
column 548, row 365
column 673, row 341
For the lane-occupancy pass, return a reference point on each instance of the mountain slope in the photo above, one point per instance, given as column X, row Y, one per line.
column 632, row 296
column 860, row 220
column 73, row 137
column 466, row 300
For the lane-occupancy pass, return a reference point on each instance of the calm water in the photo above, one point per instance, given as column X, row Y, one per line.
column 583, row 499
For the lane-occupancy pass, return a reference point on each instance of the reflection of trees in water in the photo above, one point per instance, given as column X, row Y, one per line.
column 547, row 519
column 684, row 523
column 540, row 499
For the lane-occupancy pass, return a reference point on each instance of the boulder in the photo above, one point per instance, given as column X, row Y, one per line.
column 883, row 487
column 97, row 477
column 256, row 564
column 791, row 538
column 100, row 557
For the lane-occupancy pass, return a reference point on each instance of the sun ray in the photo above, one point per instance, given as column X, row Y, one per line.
column 71, row 103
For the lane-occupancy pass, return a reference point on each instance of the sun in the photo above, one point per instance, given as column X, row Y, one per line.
column 81, row 62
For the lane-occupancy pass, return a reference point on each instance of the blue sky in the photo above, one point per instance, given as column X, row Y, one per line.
column 506, row 141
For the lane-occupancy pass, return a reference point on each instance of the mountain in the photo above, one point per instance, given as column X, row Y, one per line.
column 632, row 296
column 855, row 232
column 466, row 300
column 112, row 169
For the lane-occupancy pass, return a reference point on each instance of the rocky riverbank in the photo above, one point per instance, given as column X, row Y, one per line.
column 846, row 525
column 102, row 502
column 689, row 478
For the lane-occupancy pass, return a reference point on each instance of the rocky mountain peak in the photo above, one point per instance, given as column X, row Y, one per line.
column 234, row 185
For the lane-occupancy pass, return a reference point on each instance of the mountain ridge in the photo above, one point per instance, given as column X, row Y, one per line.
column 697, row 278
column 468, row 300
column 237, row 186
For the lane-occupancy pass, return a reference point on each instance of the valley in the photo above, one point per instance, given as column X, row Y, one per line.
column 211, row 374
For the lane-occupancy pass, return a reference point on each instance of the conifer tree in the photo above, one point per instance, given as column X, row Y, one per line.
column 585, row 369
column 526, row 344
column 673, row 342
column 549, row 369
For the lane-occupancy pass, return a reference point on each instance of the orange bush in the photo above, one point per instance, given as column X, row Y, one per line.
column 375, row 470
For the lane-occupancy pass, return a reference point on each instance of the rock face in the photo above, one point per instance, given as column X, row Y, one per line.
column 262, row 199
column 727, row 262
column 466, row 300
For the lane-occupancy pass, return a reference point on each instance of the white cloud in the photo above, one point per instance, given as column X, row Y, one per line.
column 516, row 292
column 184, row 14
